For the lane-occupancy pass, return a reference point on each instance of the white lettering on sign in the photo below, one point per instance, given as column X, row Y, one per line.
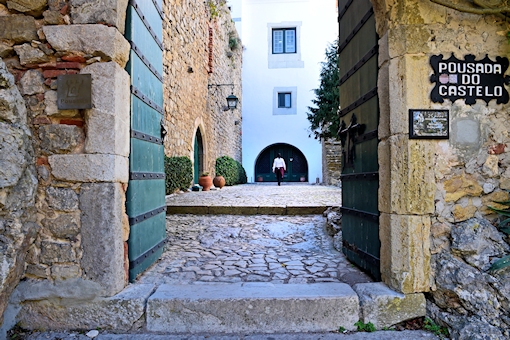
column 452, row 67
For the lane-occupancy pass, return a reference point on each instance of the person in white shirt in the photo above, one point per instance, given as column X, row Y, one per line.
column 279, row 167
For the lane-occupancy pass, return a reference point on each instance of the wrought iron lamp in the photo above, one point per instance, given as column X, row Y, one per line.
column 231, row 99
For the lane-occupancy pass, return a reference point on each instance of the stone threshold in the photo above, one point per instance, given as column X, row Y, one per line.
column 245, row 210
column 228, row 308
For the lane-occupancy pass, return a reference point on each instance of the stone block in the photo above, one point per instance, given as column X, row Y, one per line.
column 384, row 307
column 112, row 13
column 384, row 159
column 12, row 104
column 65, row 226
column 405, row 252
column 13, row 156
column 108, row 123
column 260, row 307
column 96, row 40
column 383, row 86
column 461, row 186
column 51, row 108
column 19, row 28
column 412, row 176
column 30, row 55
column 57, row 252
column 102, row 208
column 119, row 312
column 62, row 199
column 64, row 271
column 57, row 138
column 32, row 83
column 90, row 168
column 30, row 7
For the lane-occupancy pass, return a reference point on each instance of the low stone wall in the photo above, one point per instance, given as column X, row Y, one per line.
column 331, row 162
column 202, row 50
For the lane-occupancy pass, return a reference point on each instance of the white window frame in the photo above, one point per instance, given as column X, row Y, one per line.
column 292, row 110
column 285, row 42
column 284, row 60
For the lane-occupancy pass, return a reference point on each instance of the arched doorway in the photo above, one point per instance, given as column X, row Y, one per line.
column 297, row 165
column 198, row 158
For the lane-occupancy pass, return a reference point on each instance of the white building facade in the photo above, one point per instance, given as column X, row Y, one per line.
column 284, row 42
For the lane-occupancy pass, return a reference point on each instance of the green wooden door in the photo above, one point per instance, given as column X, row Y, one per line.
column 359, row 120
column 297, row 166
column 198, row 156
column 145, row 201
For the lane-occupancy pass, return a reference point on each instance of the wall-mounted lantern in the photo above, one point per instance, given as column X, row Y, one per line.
column 231, row 99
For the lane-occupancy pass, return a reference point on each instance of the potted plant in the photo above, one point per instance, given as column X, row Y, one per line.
column 205, row 181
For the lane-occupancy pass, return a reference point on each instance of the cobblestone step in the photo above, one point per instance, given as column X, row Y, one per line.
column 252, row 307
column 246, row 210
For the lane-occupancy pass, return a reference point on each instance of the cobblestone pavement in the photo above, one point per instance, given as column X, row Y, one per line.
column 257, row 248
column 267, row 194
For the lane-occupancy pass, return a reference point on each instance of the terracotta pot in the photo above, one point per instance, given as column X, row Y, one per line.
column 219, row 181
column 205, row 182
column 260, row 179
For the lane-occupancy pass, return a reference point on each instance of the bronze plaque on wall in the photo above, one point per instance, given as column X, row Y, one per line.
column 74, row 91
column 429, row 124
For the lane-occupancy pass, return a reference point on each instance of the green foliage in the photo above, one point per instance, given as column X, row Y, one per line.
column 342, row 329
column 231, row 170
column 431, row 326
column 178, row 173
column 323, row 117
column 365, row 327
column 504, row 227
column 233, row 42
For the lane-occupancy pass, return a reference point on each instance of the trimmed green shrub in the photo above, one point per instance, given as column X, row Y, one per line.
column 231, row 170
column 178, row 173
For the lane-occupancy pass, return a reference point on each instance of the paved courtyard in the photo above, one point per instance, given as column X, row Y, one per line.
column 253, row 248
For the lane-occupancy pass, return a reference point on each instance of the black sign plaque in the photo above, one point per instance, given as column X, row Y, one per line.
column 429, row 124
column 469, row 79
column 74, row 91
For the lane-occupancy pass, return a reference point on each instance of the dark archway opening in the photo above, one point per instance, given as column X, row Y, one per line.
column 297, row 165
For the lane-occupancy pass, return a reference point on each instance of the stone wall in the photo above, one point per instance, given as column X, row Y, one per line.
column 331, row 162
column 197, row 54
column 18, row 186
column 436, row 229
column 66, row 171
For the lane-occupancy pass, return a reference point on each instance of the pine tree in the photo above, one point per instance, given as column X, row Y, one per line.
column 323, row 116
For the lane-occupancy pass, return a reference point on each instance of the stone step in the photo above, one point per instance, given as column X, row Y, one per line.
column 245, row 210
column 252, row 308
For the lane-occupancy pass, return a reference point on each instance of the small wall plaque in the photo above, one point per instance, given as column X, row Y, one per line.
column 429, row 124
column 74, row 91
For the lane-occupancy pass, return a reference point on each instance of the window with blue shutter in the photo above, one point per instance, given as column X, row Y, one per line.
column 284, row 40
column 284, row 100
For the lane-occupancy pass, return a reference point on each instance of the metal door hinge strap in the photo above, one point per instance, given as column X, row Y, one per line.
column 366, row 136
column 146, row 23
column 363, row 175
column 145, row 99
column 145, row 61
column 360, row 63
column 141, row 258
column 134, row 176
column 146, row 137
column 362, row 254
column 160, row 12
column 359, row 213
column 146, row 216
column 356, row 29
column 366, row 97
column 346, row 7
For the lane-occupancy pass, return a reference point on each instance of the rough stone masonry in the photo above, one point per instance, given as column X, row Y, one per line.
column 64, row 173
